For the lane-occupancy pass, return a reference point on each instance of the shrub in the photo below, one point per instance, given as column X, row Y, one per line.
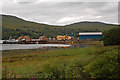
column 112, row 37
column 105, row 66
column 63, row 70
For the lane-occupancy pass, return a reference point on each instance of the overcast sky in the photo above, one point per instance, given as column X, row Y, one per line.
column 62, row 13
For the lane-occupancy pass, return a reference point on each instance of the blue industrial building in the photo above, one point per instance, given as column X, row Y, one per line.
column 90, row 35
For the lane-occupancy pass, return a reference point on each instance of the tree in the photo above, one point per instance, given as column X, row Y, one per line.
column 112, row 37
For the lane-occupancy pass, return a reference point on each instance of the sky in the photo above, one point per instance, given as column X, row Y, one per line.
column 62, row 12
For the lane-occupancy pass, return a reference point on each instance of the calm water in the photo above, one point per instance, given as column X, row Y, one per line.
column 35, row 46
column 29, row 46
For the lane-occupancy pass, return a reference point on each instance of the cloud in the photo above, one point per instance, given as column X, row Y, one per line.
column 79, row 18
column 66, row 19
column 61, row 13
column 25, row 1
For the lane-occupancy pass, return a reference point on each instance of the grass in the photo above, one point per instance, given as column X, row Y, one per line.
column 10, row 53
column 64, row 63
column 93, row 43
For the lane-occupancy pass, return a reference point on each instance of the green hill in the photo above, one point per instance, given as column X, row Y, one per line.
column 16, row 27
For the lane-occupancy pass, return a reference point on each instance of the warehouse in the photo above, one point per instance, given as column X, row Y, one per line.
column 90, row 35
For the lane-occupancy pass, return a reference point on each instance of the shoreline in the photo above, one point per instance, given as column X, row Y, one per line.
column 37, row 46
column 30, row 46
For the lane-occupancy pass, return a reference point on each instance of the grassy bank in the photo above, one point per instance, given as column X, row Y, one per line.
column 100, row 43
column 65, row 63
column 11, row 53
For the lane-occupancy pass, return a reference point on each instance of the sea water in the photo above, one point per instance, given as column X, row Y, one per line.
column 29, row 46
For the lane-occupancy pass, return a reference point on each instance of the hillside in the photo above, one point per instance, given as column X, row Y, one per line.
column 16, row 27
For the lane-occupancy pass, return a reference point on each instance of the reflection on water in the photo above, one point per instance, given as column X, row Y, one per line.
column 29, row 46
column 35, row 46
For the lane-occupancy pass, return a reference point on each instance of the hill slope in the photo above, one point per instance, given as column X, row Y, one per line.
column 16, row 27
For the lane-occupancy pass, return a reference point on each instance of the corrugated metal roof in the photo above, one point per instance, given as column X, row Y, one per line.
column 90, row 33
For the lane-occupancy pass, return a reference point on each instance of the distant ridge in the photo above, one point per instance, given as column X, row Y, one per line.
column 16, row 27
column 91, row 22
column 59, row 25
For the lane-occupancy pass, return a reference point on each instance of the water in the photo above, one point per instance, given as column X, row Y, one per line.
column 29, row 46
column 1, row 41
column 80, row 46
